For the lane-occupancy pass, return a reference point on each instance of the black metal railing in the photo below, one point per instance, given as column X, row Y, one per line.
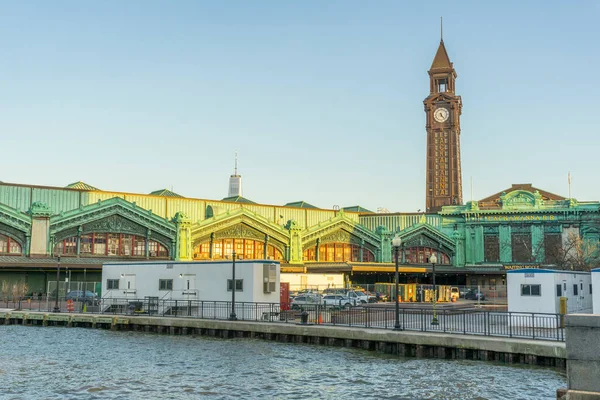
column 522, row 325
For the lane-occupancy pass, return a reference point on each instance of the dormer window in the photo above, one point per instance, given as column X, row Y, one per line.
column 442, row 85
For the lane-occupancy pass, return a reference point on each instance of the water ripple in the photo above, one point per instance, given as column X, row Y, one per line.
column 61, row 363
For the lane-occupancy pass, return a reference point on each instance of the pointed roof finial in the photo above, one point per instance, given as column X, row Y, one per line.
column 441, row 29
column 235, row 169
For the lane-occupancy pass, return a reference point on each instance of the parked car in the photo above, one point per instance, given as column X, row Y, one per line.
column 299, row 302
column 90, row 298
column 360, row 297
column 473, row 294
column 337, row 300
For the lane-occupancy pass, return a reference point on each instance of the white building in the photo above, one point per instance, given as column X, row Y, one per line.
column 596, row 290
column 257, row 281
column 313, row 281
column 540, row 290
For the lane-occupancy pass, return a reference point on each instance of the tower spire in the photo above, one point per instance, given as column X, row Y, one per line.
column 441, row 29
column 235, row 168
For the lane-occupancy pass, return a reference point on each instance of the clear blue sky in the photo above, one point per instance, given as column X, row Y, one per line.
column 322, row 99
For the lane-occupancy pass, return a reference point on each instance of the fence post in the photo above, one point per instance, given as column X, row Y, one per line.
column 403, row 319
column 509, row 324
column 485, row 323
column 533, row 325
column 444, row 321
column 464, row 319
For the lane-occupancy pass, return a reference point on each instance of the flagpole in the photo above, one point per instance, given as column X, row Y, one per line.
column 569, row 180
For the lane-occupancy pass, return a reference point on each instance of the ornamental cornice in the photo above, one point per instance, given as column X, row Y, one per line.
column 13, row 233
column 426, row 233
column 15, row 219
column 39, row 209
column 236, row 219
column 116, row 206
column 339, row 223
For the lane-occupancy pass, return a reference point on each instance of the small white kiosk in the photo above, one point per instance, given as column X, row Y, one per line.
column 596, row 290
column 539, row 291
column 161, row 283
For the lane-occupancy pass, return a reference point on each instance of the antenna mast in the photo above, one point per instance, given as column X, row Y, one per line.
column 441, row 29
column 235, row 170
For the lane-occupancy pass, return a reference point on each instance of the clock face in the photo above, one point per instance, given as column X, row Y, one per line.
column 441, row 114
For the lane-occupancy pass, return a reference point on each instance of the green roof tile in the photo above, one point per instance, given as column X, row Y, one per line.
column 357, row 209
column 300, row 204
column 82, row 186
column 165, row 193
column 238, row 199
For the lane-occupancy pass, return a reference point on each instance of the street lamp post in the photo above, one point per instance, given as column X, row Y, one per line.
column 56, row 307
column 433, row 260
column 396, row 243
column 232, row 316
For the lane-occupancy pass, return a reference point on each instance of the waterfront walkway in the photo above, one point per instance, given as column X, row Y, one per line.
column 403, row 343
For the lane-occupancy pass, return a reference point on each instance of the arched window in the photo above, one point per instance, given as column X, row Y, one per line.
column 111, row 245
column 420, row 255
column 9, row 246
column 247, row 249
column 338, row 252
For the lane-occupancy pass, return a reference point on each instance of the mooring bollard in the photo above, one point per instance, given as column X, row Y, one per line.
column 304, row 317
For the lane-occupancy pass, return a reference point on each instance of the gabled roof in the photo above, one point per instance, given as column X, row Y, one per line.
column 238, row 199
column 81, row 185
column 441, row 59
column 299, row 204
column 357, row 209
column 165, row 193
column 494, row 200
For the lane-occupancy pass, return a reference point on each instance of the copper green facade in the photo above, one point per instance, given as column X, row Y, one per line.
column 39, row 217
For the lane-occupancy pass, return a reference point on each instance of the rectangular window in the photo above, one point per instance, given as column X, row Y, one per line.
column 100, row 243
column 152, row 248
column 71, row 245
column 492, row 284
column 139, row 247
column 575, row 290
column 165, row 284
column 239, row 285
column 559, row 290
column 113, row 244
column 126, row 245
column 112, row 284
column 552, row 248
column 86, row 244
column 531, row 290
column 521, row 247
column 442, row 85
column 491, row 245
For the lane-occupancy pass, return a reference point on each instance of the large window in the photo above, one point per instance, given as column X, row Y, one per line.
column 420, row 255
column 9, row 246
column 521, row 247
column 247, row 249
column 338, row 252
column 110, row 244
column 491, row 247
column 552, row 248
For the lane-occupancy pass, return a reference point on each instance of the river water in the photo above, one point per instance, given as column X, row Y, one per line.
column 75, row 363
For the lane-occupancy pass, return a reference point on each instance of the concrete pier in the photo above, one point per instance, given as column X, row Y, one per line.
column 401, row 343
column 583, row 357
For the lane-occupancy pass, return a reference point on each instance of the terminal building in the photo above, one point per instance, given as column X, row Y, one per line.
column 476, row 243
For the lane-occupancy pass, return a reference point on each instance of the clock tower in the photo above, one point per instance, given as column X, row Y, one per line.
column 443, row 108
